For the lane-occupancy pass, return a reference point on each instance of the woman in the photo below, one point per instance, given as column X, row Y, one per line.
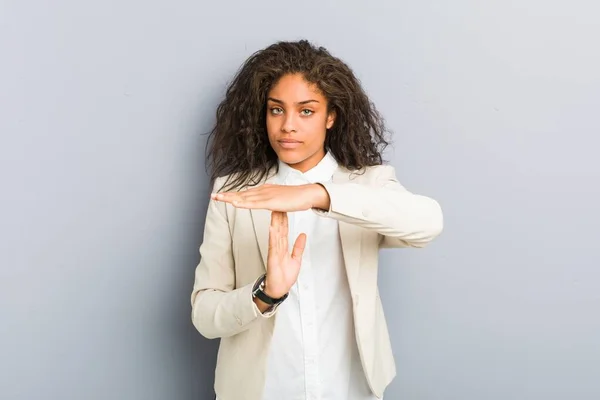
column 296, row 158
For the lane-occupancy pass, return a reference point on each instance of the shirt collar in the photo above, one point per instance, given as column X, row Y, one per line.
column 321, row 172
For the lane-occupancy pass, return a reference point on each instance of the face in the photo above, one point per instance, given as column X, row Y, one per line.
column 297, row 122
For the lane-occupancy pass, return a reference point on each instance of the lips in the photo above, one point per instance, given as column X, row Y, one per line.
column 289, row 143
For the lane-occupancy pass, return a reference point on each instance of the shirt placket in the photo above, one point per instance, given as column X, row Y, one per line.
column 308, row 314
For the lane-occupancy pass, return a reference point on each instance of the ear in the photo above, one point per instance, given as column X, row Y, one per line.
column 331, row 119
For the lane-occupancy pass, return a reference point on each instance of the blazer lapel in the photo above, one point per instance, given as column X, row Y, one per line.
column 350, row 237
column 261, row 220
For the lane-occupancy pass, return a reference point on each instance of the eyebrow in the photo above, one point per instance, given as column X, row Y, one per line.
column 299, row 103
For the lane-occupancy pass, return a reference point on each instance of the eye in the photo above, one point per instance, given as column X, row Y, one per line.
column 276, row 111
column 307, row 112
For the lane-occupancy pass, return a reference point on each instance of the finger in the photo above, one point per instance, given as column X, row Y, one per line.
column 284, row 231
column 272, row 241
column 282, row 234
column 257, row 200
column 264, row 192
column 256, row 189
column 282, row 221
column 299, row 246
column 222, row 195
column 275, row 224
column 251, row 204
column 274, row 233
column 229, row 197
column 254, row 196
column 274, row 216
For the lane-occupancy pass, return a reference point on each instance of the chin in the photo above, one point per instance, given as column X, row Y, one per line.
column 291, row 159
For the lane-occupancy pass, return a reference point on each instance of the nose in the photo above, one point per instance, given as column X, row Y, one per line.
column 289, row 123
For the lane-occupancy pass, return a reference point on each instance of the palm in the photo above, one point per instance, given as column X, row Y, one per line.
column 283, row 266
column 283, row 269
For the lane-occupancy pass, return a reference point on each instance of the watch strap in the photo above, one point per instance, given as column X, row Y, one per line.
column 259, row 293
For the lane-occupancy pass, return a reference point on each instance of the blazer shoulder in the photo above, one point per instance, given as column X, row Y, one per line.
column 223, row 182
column 374, row 173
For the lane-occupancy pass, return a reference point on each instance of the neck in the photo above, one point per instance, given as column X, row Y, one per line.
column 309, row 163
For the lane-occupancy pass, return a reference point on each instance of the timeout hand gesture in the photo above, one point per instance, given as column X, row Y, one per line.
column 283, row 267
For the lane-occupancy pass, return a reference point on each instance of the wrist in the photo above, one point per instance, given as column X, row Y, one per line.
column 265, row 301
column 274, row 291
column 261, row 305
column 319, row 197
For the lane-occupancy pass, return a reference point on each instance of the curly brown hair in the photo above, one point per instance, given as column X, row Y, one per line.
column 238, row 145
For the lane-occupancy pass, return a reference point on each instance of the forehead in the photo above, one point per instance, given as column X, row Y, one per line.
column 294, row 88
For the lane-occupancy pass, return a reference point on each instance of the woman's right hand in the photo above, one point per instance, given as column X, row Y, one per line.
column 283, row 267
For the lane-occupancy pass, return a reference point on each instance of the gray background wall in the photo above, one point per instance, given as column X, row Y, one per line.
column 494, row 105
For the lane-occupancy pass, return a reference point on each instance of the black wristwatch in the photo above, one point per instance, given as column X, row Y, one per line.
column 259, row 293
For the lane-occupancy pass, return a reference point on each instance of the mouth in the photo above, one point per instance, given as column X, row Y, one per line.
column 289, row 143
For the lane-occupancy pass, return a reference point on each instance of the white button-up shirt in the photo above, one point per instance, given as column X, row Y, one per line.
column 313, row 353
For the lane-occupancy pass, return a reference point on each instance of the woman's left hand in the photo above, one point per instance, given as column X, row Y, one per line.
column 281, row 198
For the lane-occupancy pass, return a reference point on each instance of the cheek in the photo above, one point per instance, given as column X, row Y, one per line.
column 316, row 130
column 272, row 128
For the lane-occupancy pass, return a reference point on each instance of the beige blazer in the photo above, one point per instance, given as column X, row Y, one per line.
column 374, row 211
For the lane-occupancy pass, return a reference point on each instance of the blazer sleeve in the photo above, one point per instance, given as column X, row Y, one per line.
column 219, row 309
column 402, row 218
